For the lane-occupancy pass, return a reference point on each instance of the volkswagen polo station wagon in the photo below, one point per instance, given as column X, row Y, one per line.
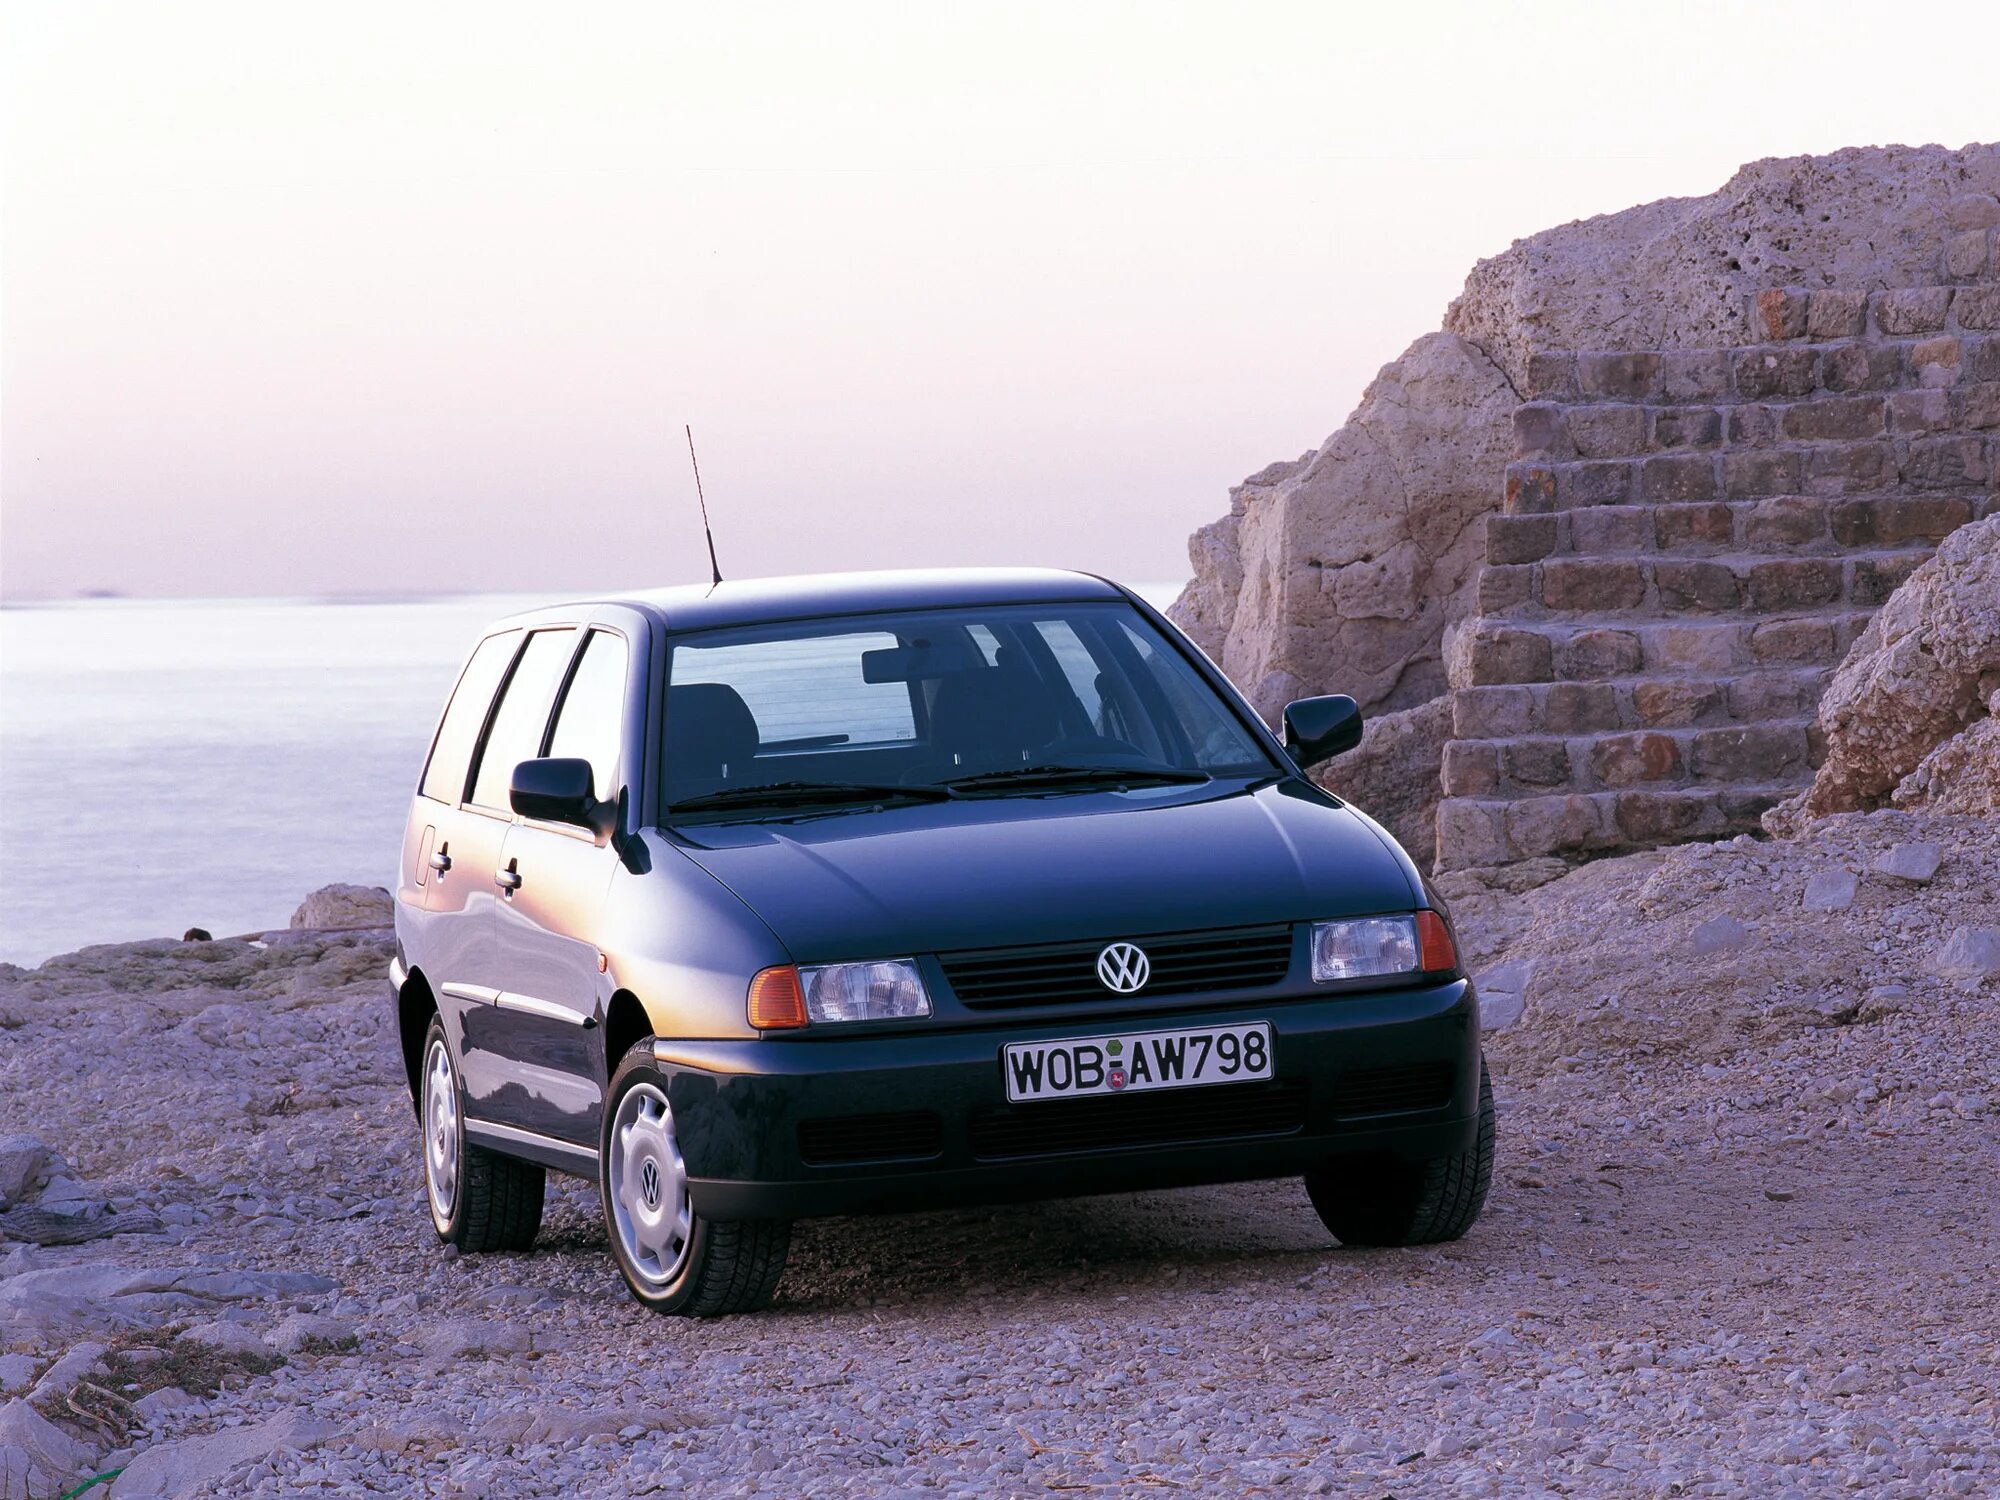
column 884, row 892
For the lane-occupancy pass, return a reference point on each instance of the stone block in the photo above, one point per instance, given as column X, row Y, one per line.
column 1491, row 713
column 1687, row 427
column 1471, row 834
column 1675, row 702
column 1471, row 768
column 1842, row 419
column 1678, row 528
column 1794, row 583
column 1836, row 315
column 1911, row 310
column 1893, row 520
column 1531, row 489
column 1695, row 375
column 1871, row 580
column 1499, row 655
column 1520, row 539
column 1977, row 307
column 1539, row 432
column 1592, row 654
column 1937, row 463
column 1979, row 405
column 1784, row 521
column 1778, row 313
column 1781, row 370
column 1611, row 528
column 1591, row 584
column 1691, row 648
column 1847, row 469
column 1919, row 411
column 1743, row 812
column 1861, row 367
column 1934, row 361
column 1694, row 586
column 1608, row 431
column 1747, row 475
column 1599, row 482
column 1754, row 426
column 1966, row 255
column 1627, row 759
column 1504, row 589
column 1749, row 752
column 1670, row 478
column 1661, row 817
column 1793, row 641
column 1775, row 695
column 1537, row 763
column 1618, row 377
column 1551, row 377
column 1555, row 825
column 1980, row 358
column 1974, row 211
column 1575, row 707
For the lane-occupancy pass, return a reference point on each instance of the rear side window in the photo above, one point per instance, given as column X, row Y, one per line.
column 523, row 714
column 465, row 716
column 592, row 715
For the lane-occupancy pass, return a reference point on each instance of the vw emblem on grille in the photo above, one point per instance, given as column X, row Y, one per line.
column 1124, row 967
column 649, row 1184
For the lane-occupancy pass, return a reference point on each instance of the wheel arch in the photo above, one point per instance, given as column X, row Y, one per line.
column 626, row 1021
column 415, row 1005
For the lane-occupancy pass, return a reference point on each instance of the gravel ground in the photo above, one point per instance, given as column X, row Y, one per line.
column 1741, row 1242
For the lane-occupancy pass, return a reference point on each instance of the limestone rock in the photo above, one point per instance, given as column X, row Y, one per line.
column 200, row 1465
column 1914, row 864
column 36, row 1456
column 1680, row 273
column 339, row 906
column 1831, row 890
column 24, row 1163
column 1392, row 775
column 1925, row 669
column 1971, row 955
column 1345, row 566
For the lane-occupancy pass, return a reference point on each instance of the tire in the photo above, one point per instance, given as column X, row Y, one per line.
column 479, row 1200
column 1372, row 1202
column 674, row 1261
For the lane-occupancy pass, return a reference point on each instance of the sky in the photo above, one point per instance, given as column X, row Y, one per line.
column 390, row 299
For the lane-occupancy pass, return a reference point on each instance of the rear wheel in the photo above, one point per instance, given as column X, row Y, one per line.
column 479, row 1199
column 674, row 1260
column 1408, row 1202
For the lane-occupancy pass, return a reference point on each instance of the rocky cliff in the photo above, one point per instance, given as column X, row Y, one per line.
column 1717, row 431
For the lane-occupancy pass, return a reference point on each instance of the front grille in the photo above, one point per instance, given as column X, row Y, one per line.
column 910, row 1135
column 1183, row 963
column 1166, row 1117
column 1385, row 1091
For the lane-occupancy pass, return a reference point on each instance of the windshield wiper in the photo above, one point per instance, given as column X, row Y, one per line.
column 799, row 793
column 1056, row 776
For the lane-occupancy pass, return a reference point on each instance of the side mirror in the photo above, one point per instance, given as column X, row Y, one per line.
column 1318, row 729
column 557, row 790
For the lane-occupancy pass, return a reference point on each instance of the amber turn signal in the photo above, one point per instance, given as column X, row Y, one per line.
column 1435, row 952
column 777, row 1003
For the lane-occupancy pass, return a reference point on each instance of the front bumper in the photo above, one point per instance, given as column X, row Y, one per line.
column 805, row 1126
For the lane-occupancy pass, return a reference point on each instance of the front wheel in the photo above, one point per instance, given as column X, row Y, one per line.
column 674, row 1260
column 1408, row 1202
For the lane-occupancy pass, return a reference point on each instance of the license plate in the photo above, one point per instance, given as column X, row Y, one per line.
column 1134, row 1062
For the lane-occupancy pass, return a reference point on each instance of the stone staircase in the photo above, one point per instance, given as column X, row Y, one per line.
column 1690, row 542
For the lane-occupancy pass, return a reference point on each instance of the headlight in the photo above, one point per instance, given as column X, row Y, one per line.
column 888, row 989
column 1368, row 947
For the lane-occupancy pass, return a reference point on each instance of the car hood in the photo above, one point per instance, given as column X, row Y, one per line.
column 990, row 872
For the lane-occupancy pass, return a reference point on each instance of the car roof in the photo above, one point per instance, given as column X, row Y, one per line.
column 754, row 601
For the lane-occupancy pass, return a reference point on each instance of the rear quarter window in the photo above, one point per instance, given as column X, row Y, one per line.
column 451, row 754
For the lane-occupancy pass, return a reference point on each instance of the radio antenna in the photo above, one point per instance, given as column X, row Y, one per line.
column 714, row 567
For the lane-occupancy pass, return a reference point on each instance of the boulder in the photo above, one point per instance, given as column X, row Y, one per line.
column 1907, row 717
column 332, row 907
column 25, row 1162
column 200, row 1466
column 36, row 1456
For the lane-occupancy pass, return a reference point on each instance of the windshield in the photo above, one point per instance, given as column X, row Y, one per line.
column 972, row 701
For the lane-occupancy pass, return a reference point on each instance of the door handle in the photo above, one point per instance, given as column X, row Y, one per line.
column 440, row 861
column 508, row 879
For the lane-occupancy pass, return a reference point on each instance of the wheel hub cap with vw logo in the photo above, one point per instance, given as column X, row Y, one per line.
column 1124, row 968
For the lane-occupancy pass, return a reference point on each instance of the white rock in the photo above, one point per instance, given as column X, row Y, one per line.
column 1911, row 863
column 302, row 1330
column 1831, row 890
column 24, row 1161
column 224, row 1337
column 17, row 1372
column 345, row 906
column 197, row 1466
column 470, row 1338
column 1971, row 953
column 1717, row 935
column 80, row 1363
column 35, row 1454
column 1503, row 994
